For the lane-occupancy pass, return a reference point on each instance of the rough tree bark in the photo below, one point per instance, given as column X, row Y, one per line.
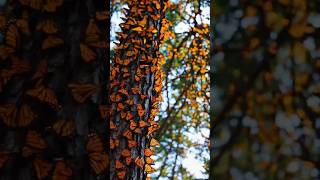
column 135, row 89
column 53, row 64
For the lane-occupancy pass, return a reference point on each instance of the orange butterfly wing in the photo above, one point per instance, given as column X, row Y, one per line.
column 132, row 143
column 34, row 144
column 112, row 126
column 139, row 162
column 23, row 25
column 99, row 162
column 127, row 134
column 92, row 32
column 114, row 143
column 126, row 153
column 42, row 167
column 64, row 127
column 149, row 169
column 8, row 114
column 148, row 152
column 128, row 161
column 47, row 26
column 104, row 111
column 62, row 171
column 81, row 92
column 12, row 36
column 119, row 165
column 121, row 174
column 98, row 159
column 149, row 160
column 87, row 54
column 26, row 116
column 52, row 5
column 34, row 139
column 133, row 125
column 51, row 42
column 5, row 51
column 154, row 142
column 44, row 94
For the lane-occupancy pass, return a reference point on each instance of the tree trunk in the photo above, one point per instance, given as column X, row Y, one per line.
column 135, row 89
column 52, row 86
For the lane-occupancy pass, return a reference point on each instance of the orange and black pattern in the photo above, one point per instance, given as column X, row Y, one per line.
column 135, row 89
column 53, row 99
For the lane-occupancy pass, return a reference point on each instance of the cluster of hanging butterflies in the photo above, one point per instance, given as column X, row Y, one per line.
column 136, row 82
column 20, row 114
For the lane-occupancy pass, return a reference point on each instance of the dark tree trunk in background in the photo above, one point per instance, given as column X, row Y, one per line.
column 54, row 62
column 135, row 89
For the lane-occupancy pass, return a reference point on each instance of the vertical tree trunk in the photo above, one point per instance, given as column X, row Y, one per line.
column 54, row 63
column 135, row 89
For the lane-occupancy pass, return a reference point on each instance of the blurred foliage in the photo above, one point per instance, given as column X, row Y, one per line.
column 266, row 89
column 184, row 111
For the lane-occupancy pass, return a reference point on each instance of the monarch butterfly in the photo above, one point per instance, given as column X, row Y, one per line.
column 92, row 32
column 98, row 159
column 87, row 54
column 154, row 126
column 115, row 97
column 81, row 92
column 44, row 94
column 5, row 51
column 120, row 106
column 143, row 124
column 140, row 110
column 112, row 126
column 134, row 127
column 61, row 171
column 4, row 156
column 148, row 152
column 132, row 143
column 114, row 143
column 119, row 165
column 126, row 152
column 149, row 160
column 64, row 127
column 121, row 174
column 129, row 116
column 135, row 90
column 104, row 111
column 19, row 66
column 128, row 134
column 23, row 25
column 50, row 42
column 139, row 162
column 14, row 117
column 34, row 144
column 154, row 142
column 12, row 36
column 42, row 167
column 149, row 169
column 128, row 160
column 42, row 69
column 52, row 5
column 47, row 26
